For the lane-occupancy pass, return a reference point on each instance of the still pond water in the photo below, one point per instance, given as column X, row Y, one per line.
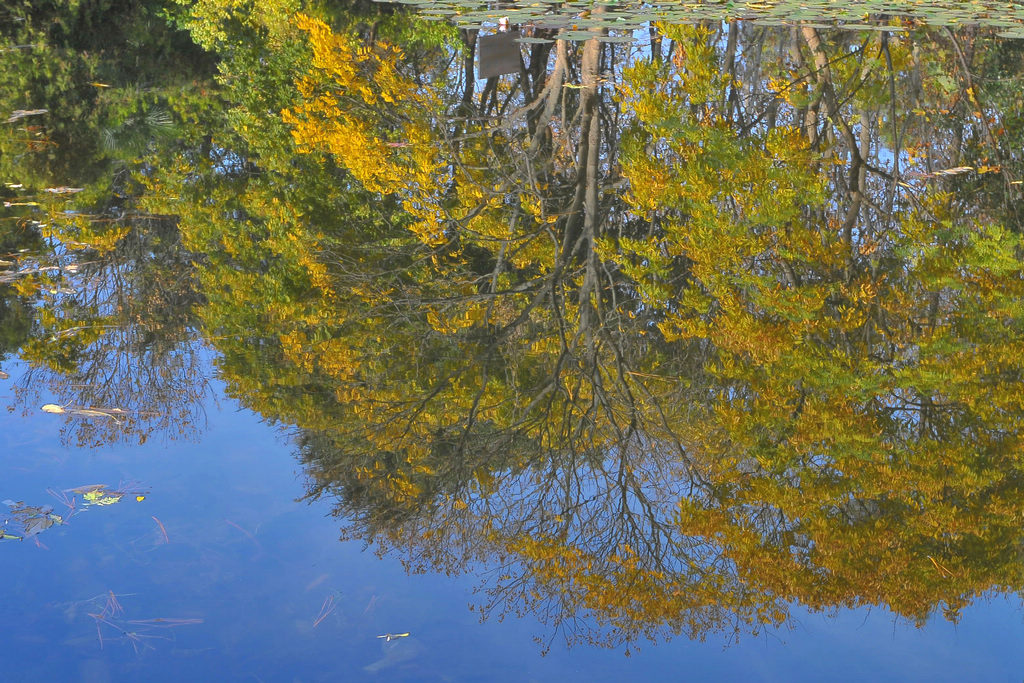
column 681, row 351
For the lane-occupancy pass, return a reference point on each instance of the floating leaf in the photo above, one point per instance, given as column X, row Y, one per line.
column 388, row 637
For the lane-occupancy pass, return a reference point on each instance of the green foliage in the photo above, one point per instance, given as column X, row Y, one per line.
column 723, row 394
column 92, row 68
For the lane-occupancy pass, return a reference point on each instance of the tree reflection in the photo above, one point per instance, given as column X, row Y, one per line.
column 665, row 342
column 111, row 329
column 660, row 340
column 104, row 293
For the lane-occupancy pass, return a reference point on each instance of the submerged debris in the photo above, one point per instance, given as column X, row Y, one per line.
column 136, row 632
column 32, row 519
column 25, row 521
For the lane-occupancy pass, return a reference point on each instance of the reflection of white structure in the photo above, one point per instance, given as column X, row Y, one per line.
column 498, row 53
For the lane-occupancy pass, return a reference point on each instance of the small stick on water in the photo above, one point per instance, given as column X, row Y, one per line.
column 251, row 537
column 123, row 628
column 113, row 607
column 70, row 502
column 163, row 622
column 325, row 610
column 370, row 604
column 162, row 529
column 102, row 617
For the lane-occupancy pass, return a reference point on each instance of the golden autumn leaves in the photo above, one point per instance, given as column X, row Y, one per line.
column 843, row 410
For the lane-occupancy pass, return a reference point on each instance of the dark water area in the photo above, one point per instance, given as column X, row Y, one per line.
column 570, row 341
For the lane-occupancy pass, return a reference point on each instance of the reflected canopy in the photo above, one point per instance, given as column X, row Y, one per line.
column 659, row 337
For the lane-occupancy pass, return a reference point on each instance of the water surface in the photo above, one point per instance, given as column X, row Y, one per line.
column 698, row 343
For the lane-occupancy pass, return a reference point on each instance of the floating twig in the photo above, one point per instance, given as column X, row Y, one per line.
column 325, row 610
column 162, row 529
column 112, row 609
column 164, row 622
column 370, row 605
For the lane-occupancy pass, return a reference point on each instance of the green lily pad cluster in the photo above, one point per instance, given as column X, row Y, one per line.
column 578, row 20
